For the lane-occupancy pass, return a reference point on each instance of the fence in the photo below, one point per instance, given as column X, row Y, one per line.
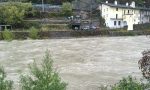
column 48, row 7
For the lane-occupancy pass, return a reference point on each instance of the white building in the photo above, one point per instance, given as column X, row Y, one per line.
column 118, row 15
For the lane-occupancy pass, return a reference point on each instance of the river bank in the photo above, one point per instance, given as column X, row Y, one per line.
column 71, row 33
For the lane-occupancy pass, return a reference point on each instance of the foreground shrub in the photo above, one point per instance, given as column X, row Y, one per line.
column 4, row 84
column 42, row 77
column 144, row 64
column 128, row 83
column 7, row 35
column 33, row 33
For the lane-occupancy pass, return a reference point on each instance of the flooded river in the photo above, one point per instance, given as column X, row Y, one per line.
column 84, row 63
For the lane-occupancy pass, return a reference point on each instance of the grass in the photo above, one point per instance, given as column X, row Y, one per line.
column 33, row 33
column 5, row 84
column 8, row 35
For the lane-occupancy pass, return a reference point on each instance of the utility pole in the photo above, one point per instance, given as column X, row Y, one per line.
column 78, row 6
column 42, row 5
column 91, row 7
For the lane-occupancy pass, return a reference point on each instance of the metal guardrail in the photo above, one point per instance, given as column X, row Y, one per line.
column 47, row 7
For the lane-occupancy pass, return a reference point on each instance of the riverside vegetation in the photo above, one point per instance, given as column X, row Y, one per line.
column 44, row 77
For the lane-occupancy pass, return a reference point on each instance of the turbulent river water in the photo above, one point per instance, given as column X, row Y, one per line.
column 84, row 63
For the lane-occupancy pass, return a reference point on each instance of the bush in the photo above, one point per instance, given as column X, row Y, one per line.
column 144, row 64
column 8, row 35
column 4, row 84
column 42, row 77
column 67, row 9
column 33, row 33
column 128, row 83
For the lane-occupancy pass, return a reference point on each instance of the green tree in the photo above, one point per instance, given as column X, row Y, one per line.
column 13, row 13
column 67, row 9
column 4, row 84
column 42, row 77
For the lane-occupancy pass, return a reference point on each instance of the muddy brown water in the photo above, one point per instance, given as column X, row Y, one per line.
column 84, row 63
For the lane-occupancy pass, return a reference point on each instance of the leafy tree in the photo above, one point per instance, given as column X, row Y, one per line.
column 4, row 84
column 67, row 9
column 43, row 77
column 13, row 13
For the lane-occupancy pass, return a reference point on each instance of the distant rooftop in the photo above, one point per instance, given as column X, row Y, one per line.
column 124, row 6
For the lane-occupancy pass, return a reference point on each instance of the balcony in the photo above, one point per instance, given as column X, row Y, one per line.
column 116, row 18
column 129, row 12
column 146, row 15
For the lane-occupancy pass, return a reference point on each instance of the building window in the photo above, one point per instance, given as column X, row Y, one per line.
column 114, row 23
column 128, row 11
column 116, row 9
column 116, row 16
column 119, row 23
column 124, row 11
column 107, row 15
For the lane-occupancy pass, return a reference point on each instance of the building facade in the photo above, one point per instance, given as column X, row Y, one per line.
column 118, row 15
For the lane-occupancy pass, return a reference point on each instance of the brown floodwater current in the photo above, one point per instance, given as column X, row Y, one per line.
column 84, row 63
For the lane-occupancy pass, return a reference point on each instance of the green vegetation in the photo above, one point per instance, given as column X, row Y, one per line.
column 8, row 35
column 102, row 22
column 4, row 84
column 144, row 64
column 33, row 33
column 43, row 77
column 13, row 13
column 67, row 9
column 128, row 83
